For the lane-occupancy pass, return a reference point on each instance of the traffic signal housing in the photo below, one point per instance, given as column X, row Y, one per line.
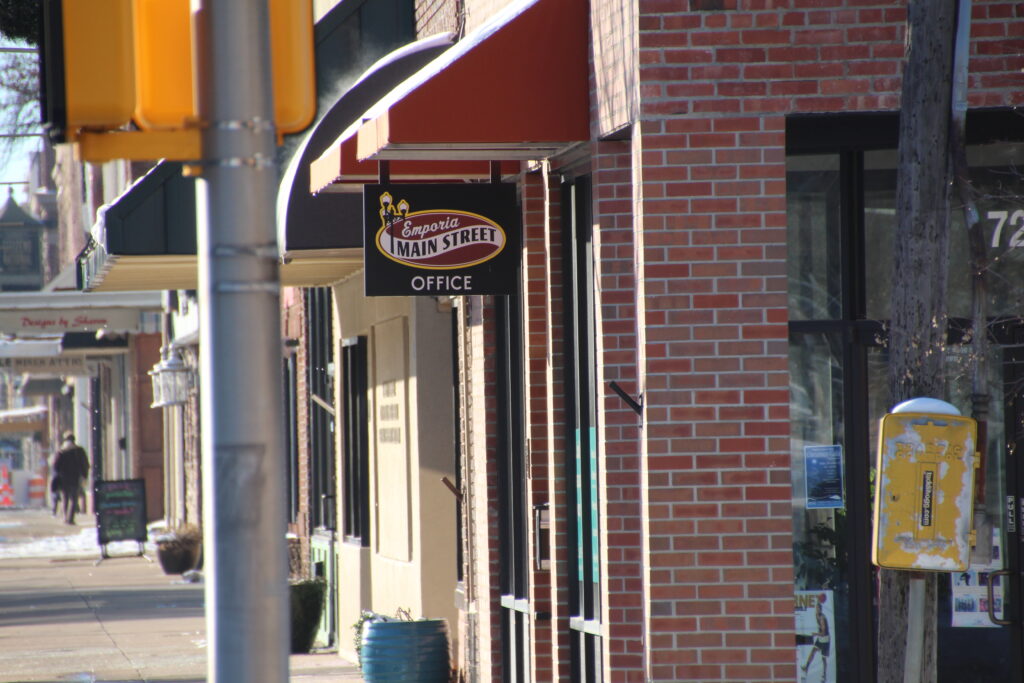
column 87, row 75
column 109, row 63
column 164, row 56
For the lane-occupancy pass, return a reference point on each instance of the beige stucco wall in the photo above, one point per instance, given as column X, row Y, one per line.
column 322, row 7
column 411, row 559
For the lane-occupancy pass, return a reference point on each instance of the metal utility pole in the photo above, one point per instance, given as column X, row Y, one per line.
column 241, row 397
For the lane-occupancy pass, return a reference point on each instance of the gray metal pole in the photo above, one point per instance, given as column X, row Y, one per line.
column 242, row 403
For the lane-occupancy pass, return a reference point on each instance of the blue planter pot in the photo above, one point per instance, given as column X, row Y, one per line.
column 405, row 651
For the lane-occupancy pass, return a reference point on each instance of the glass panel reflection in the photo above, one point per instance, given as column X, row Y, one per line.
column 821, row 538
column 812, row 205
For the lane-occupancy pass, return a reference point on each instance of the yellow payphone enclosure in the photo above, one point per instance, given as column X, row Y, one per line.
column 925, row 491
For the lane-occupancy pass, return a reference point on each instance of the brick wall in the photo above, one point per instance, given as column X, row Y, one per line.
column 295, row 319
column 487, row 472
column 479, row 490
column 436, row 16
column 192, row 448
column 614, row 55
column 538, row 260
column 717, row 78
column 692, row 314
column 624, row 490
column 479, row 11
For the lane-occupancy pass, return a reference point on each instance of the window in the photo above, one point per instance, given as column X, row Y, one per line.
column 355, row 461
column 320, row 384
column 841, row 185
column 582, row 428
column 291, row 433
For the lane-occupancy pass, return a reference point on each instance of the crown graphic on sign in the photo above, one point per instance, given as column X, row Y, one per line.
column 391, row 212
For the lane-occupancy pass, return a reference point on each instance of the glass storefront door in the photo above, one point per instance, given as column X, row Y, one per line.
column 841, row 213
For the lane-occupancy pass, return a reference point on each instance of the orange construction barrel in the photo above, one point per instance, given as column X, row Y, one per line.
column 37, row 492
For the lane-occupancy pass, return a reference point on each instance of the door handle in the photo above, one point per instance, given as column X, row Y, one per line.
column 991, row 598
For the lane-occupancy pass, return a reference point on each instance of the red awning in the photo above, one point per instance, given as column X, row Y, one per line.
column 515, row 88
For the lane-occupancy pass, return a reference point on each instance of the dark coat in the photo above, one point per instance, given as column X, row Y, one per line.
column 71, row 466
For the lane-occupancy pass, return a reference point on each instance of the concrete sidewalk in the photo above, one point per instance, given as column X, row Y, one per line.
column 123, row 620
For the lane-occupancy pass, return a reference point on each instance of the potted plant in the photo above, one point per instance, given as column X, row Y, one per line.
column 180, row 550
column 402, row 648
column 307, row 604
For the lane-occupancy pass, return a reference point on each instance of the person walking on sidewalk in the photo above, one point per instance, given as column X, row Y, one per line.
column 70, row 467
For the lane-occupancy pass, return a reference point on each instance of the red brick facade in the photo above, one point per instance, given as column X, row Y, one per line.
column 293, row 320
column 688, row 169
column 716, row 85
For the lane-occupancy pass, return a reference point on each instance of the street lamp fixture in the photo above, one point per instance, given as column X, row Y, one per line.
column 172, row 380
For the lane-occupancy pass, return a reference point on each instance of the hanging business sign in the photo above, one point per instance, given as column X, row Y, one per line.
column 925, row 491
column 441, row 239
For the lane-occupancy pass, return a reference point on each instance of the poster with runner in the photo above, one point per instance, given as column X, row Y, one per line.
column 815, row 624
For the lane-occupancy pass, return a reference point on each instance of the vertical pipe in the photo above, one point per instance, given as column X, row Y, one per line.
column 242, row 394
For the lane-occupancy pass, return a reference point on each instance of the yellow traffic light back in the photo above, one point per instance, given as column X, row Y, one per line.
column 291, row 51
column 164, row 67
column 163, row 57
column 87, row 54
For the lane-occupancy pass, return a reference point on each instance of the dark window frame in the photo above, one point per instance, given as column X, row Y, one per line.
column 582, row 455
column 514, row 566
column 320, row 386
column 291, row 431
column 850, row 137
column 355, row 441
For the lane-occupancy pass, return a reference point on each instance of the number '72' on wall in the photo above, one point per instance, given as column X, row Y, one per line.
column 1016, row 219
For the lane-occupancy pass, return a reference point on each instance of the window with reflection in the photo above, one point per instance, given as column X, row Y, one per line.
column 841, row 179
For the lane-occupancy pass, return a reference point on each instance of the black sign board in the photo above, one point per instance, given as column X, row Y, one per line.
column 431, row 239
column 120, row 510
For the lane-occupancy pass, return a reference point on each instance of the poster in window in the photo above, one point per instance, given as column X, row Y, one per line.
column 970, row 593
column 823, row 475
column 815, row 626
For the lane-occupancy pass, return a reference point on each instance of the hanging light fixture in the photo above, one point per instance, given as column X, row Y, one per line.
column 172, row 380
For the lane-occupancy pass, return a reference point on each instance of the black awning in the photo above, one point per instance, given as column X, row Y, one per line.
column 88, row 341
column 156, row 215
column 146, row 239
column 335, row 220
column 41, row 386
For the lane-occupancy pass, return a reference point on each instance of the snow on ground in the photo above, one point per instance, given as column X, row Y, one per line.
column 82, row 544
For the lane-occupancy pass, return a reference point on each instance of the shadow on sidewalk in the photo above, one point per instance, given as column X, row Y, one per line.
column 110, row 604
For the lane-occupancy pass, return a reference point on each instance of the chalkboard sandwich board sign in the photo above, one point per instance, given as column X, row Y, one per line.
column 120, row 512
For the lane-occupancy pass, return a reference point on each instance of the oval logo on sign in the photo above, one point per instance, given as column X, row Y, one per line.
column 438, row 239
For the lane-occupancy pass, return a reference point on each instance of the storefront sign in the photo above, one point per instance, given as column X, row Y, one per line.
column 926, row 465
column 441, row 239
column 55, row 365
column 59, row 321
